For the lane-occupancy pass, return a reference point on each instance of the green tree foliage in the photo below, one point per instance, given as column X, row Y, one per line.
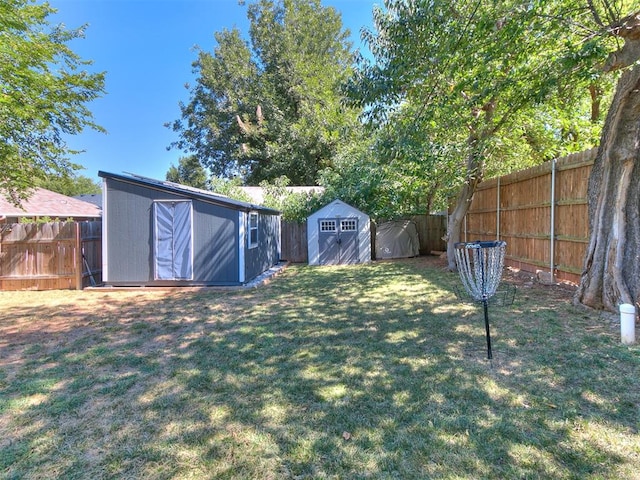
column 382, row 190
column 189, row 172
column 294, row 206
column 474, row 76
column 271, row 106
column 44, row 89
column 70, row 184
column 231, row 188
column 389, row 174
column 417, row 165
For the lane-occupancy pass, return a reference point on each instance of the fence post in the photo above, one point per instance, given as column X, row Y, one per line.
column 552, row 253
column 498, row 211
column 78, row 257
column 465, row 225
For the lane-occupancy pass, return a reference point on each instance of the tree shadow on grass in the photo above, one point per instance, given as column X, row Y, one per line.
column 374, row 371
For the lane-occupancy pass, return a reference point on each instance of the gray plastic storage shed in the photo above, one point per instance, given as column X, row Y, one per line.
column 338, row 234
column 161, row 233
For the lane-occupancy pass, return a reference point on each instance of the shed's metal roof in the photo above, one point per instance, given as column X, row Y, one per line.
column 187, row 191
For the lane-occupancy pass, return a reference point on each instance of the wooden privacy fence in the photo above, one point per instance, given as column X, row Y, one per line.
column 540, row 212
column 431, row 229
column 293, row 242
column 49, row 256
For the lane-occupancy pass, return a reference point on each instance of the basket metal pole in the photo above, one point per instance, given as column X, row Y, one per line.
column 485, row 305
column 485, row 302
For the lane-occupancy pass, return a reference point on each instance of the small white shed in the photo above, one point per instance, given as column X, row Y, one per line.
column 338, row 234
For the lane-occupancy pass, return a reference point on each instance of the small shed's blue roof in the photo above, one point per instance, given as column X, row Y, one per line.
column 187, row 191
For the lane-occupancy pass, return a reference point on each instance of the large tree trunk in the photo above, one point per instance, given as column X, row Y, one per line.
column 475, row 170
column 480, row 129
column 611, row 273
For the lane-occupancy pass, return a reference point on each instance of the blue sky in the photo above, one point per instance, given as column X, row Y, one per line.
column 147, row 48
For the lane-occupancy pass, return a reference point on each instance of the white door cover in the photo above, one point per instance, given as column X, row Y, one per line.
column 173, row 240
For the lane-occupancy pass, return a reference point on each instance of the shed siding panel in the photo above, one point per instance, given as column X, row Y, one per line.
column 129, row 226
column 215, row 244
column 265, row 255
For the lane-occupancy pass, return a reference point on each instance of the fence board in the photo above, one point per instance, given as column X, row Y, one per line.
column 48, row 256
column 431, row 229
column 523, row 218
column 293, row 242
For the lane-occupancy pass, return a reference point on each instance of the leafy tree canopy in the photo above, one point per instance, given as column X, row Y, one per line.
column 189, row 172
column 500, row 83
column 230, row 187
column 271, row 106
column 474, row 66
column 70, row 184
column 44, row 90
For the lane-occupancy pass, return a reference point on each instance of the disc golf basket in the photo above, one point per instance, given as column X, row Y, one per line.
column 480, row 268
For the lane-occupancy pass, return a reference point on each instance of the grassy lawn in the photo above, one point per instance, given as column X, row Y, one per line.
column 373, row 372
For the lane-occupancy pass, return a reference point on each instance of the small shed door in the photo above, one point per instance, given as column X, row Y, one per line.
column 328, row 246
column 173, row 240
column 338, row 241
column 349, row 240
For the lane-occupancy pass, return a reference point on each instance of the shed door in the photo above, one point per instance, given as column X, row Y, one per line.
column 338, row 241
column 349, row 240
column 328, row 246
column 173, row 240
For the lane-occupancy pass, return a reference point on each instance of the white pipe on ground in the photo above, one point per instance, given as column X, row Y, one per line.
column 627, row 324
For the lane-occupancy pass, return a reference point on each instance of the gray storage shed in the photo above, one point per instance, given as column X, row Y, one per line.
column 338, row 234
column 159, row 233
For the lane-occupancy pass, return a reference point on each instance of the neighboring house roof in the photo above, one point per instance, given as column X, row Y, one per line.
column 191, row 192
column 45, row 203
column 257, row 193
column 95, row 198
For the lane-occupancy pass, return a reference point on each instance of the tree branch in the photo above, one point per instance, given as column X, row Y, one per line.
column 594, row 12
column 629, row 30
